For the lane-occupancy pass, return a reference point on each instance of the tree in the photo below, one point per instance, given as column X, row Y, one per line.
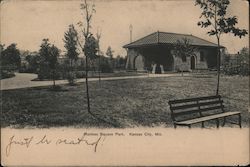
column 183, row 49
column 33, row 62
column 87, row 49
column 243, row 61
column 109, row 53
column 91, row 47
column 244, row 55
column 98, row 37
column 1, row 48
column 214, row 13
column 10, row 56
column 48, row 60
column 70, row 40
column 53, row 61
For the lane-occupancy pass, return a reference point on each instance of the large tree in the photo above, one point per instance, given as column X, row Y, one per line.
column 215, row 17
column 10, row 56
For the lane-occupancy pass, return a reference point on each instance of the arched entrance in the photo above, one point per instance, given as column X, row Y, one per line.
column 192, row 63
column 169, row 63
column 139, row 63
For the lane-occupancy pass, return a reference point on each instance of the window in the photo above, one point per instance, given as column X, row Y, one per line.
column 184, row 59
column 202, row 56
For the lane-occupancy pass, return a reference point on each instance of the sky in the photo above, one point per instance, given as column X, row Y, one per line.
column 27, row 22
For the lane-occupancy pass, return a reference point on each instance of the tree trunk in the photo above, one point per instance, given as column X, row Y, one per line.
column 99, row 70
column 54, row 82
column 218, row 67
column 87, row 85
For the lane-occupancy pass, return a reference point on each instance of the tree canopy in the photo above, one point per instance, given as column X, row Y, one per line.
column 109, row 52
column 91, row 47
column 10, row 56
column 215, row 15
column 183, row 48
column 70, row 40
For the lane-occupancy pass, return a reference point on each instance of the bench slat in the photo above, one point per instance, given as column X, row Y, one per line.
column 193, row 99
column 197, row 111
column 206, row 118
column 195, row 105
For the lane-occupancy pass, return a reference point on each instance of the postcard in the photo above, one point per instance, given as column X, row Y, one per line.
column 124, row 82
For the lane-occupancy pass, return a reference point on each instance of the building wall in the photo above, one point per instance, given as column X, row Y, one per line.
column 137, row 61
column 180, row 65
column 131, row 53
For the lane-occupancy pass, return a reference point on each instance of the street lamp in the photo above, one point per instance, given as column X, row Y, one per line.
column 130, row 29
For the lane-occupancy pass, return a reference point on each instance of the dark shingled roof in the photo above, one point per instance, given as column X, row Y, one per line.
column 168, row 38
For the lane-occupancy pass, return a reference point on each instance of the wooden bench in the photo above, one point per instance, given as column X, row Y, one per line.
column 185, row 112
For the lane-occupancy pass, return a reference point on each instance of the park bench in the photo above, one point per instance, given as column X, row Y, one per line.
column 185, row 112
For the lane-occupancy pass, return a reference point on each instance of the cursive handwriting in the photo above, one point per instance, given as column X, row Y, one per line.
column 79, row 141
column 24, row 142
column 44, row 140
column 27, row 142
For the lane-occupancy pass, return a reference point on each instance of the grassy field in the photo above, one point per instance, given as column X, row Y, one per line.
column 124, row 103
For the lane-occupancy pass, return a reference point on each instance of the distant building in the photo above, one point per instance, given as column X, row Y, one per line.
column 78, row 62
column 155, row 51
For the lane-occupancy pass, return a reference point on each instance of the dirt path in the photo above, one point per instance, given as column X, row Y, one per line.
column 24, row 80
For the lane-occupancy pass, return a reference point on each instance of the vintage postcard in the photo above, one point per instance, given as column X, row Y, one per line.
column 124, row 82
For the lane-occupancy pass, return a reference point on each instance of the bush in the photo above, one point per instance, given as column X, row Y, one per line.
column 80, row 74
column 106, row 68
column 6, row 74
column 71, row 77
column 237, row 70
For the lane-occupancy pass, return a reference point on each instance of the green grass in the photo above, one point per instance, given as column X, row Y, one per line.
column 124, row 103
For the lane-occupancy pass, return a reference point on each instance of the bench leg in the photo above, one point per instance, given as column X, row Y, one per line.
column 202, row 124
column 217, row 123
column 224, row 121
column 175, row 126
column 189, row 126
column 240, row 120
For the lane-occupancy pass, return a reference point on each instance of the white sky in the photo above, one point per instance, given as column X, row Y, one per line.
column 27, row 22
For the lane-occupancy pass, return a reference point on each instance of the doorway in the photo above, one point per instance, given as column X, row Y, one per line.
column 192, row 62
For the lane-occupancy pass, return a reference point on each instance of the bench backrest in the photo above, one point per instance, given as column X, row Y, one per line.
column 183, row 109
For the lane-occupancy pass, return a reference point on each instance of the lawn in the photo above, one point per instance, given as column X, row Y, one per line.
column 121, row 103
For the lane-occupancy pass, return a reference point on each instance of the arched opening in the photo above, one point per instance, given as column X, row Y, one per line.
column 139, row 63
column 169, row 66
column 192, row 62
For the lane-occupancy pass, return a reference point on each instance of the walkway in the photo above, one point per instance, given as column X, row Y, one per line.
column 23, row 80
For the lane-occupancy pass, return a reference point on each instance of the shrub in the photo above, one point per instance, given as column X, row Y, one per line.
column 237, row 70
column 6, row 74
column 105, row 67
column 80, row 74
column 71, row 77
